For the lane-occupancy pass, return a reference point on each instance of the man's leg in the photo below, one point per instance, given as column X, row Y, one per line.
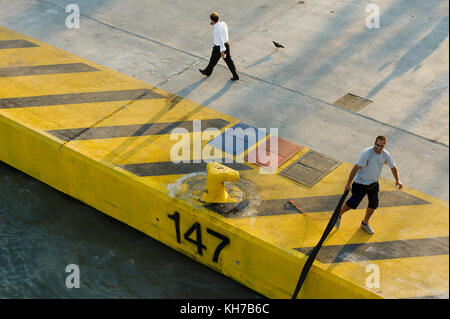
column 358, row 193
column 215, row 57
column 365, row 222
column 369, row 213
column 230, row 62
column 344, row 208
column 372, row 194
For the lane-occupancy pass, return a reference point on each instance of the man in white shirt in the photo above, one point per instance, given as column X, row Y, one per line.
column 221, row 48
column 366, row 173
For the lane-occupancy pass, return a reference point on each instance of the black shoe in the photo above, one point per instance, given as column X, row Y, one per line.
column 235, row 78
column 203, row 72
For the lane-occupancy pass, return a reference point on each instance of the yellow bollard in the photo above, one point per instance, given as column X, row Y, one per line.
column 215, row 188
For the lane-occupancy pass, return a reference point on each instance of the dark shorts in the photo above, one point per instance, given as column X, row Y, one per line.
column 360, row 190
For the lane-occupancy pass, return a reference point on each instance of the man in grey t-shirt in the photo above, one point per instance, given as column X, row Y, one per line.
column 366, row 173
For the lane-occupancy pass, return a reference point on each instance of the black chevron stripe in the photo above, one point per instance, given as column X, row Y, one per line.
column 46, row 69
column 77, row 98
column 16, row 44
column 318, row 204
column 133, row 130
column 171, row 168
column 381, row 250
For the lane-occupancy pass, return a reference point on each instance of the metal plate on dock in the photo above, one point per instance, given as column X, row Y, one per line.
column 283, row 151
column 238, row 138
column 310, row 168
column 352, row 102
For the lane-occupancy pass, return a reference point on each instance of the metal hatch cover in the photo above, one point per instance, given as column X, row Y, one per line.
column 310, row 168
column 352, row 102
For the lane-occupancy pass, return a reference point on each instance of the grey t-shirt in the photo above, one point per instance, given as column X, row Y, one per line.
column 371, row 165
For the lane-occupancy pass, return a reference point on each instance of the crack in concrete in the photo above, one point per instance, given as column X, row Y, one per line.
column 178, row 73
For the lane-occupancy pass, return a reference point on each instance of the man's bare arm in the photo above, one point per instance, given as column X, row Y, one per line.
column 352, row 176
column 398, row 183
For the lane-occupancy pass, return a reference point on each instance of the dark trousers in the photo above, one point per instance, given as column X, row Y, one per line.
column 215, row 57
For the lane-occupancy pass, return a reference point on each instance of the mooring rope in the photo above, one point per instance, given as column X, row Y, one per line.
column 316, row 249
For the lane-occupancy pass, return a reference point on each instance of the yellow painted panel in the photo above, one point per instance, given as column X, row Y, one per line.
column 49, row 84
column 112, row 114
column 388, row 223
column 168, row 110
column 27, row 57
column 147, row 149
column 398, row 278
column 68, row 116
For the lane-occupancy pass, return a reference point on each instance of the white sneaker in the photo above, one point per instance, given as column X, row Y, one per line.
column 367, row 228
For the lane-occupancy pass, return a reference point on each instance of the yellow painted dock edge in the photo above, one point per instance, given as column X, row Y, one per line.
column 271, row 271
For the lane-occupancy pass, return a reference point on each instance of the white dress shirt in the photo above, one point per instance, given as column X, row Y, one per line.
column 221, row 35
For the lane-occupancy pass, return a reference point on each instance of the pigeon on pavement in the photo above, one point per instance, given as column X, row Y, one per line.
column 277, row 45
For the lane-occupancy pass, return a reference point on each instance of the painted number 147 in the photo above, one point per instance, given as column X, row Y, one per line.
column 197, row 230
